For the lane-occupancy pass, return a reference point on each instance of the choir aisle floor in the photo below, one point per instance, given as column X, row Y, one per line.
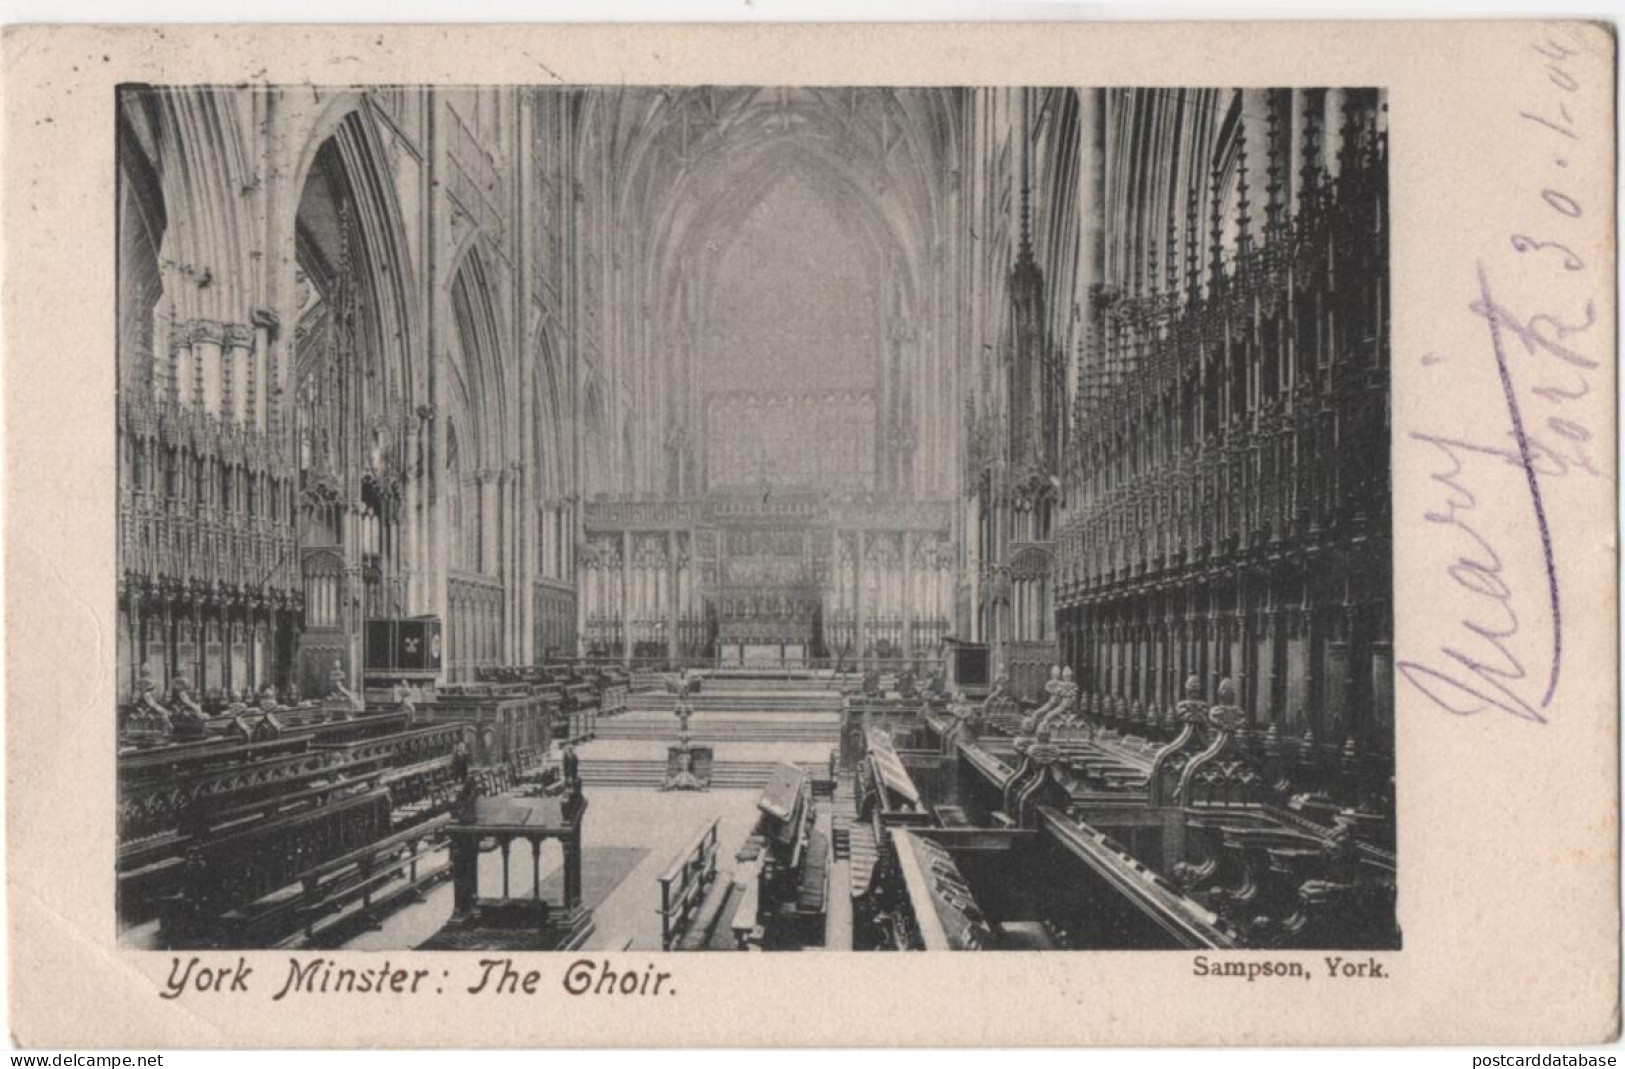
column 631, row 836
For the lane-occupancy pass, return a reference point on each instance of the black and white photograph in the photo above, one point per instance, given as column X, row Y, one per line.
column 754, row 518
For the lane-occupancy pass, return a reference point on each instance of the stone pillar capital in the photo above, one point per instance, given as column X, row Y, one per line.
column 206, row 332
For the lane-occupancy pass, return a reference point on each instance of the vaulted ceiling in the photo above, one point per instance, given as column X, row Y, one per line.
column 693, row 164
column 696, row 160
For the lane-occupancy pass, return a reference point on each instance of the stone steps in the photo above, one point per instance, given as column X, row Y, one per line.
column 700, row 730
column 633, row 772
column 783, row 704
column 768, row 681
column 646, row 681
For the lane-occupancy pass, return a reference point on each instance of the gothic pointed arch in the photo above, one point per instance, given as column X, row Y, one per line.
column 198, row 419
column 479, row 487
column 550, row 436
column 701, row 164
column 478, row 366
column 346, row 137
column 354, row 387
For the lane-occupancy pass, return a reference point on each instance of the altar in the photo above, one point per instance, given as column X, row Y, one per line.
column 769, row 578
column 762, row 655
column 775, row 580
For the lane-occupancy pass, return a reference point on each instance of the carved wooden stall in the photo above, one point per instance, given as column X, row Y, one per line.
column 1228, row 492
column 257, row 844
column 165, row 790
column 785, row 866
column 1208, row 836
column 510, row 724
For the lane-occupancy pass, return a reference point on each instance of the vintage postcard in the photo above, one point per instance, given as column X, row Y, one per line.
column 811, row 535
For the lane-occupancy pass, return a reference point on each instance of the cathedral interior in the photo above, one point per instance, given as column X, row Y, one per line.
column 754, row 518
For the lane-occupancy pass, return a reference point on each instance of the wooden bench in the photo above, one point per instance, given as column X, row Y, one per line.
column 416, row 768
column 230, row 872
column 684, row 885
column 711, row 927
column 150, row 865
column 425, row 789
column 338, row 894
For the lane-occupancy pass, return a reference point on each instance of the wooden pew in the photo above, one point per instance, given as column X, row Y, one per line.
column 230, row 872
column 342, row 893
column 159, row 823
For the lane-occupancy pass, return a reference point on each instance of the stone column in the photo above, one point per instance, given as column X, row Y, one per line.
column 859, row 622
column 265, row 392
column 626, row 587
column 1111, row 641
column 1066, row 625
column 208, row 348
column 522, row 559
column 1069, row 629
column 1125, row 653
column 1103, row 652
column 1127, row 641
column 184, row 384
column 673, row 577
column 436, row 549
column 491, row 523
column 1103, row 638
column 1187, row 665
column 200, row 651
column 1315, row 670
column 586, row 592
column 1145, row 651
column 1199, row 644
column 236, row 358
column 412, row 517
column 503, row 617
column 522, row 555
column 1214, row 655
column 1241, row 648
column 1123, row 632
column 517, row 571
column 1339, row 684
column 158, row 636
column 1088, row 674
column 1294, row 716
column 908, row 596
column 1381, row 719
column 1164, row 652
column 1266, row 711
